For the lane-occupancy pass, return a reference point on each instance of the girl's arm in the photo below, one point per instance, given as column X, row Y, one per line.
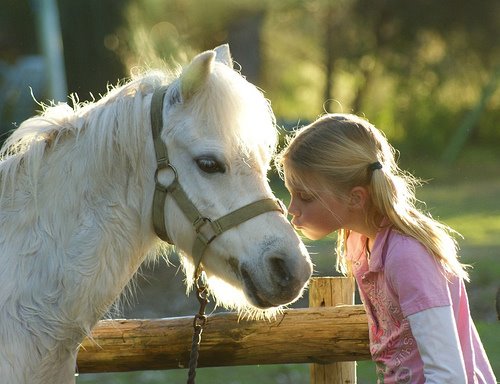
column 434, row 330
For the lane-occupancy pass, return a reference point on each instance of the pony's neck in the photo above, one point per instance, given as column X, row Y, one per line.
column 110, row 210
column 73, row 234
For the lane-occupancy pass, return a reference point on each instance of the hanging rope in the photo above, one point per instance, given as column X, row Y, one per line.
column 199, row 321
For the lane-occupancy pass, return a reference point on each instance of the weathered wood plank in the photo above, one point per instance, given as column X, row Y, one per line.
column 309, row 335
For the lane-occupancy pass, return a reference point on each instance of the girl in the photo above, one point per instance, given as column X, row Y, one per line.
column 342, row 176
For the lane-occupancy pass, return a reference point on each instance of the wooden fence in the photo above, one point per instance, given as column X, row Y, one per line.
column 330, row 335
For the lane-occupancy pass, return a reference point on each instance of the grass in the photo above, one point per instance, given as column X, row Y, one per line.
column 465, row 197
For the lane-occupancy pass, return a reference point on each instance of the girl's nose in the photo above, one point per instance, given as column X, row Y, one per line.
column 292, row 209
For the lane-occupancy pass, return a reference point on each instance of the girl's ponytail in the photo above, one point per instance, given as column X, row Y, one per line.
column 393, row 197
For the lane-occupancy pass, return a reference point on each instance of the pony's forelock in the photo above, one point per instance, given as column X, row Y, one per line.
column 241, row 108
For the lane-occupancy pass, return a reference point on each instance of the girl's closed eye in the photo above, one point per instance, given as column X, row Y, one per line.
column 305, row 197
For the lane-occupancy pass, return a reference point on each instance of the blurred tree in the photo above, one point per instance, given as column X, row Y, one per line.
column 17, row 30
column 173, row 31
column 401, row 63
column 88, row 29
column 414, row 68
column 21, row 69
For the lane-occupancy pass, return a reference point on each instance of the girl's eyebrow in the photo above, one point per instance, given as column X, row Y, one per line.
column 293, row 189
column 290, row 186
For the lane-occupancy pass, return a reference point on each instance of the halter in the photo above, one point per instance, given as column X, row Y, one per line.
column 206, row 229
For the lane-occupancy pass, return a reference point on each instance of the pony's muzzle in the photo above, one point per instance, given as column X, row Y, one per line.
column 280, row 281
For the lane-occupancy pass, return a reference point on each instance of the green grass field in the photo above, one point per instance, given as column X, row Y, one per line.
column 465, row 197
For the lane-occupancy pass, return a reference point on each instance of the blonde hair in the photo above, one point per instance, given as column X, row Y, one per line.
column 338, row 152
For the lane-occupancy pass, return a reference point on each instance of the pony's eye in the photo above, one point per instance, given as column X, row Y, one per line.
column 210, row 165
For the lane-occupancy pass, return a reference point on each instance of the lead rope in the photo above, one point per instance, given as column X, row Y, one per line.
column 199, row 321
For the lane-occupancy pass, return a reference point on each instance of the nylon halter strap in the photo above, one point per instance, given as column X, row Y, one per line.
column 206, row 229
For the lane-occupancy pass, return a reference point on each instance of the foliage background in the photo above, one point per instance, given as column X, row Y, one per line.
column 416, row 69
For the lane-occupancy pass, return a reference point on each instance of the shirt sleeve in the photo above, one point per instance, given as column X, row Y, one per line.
column 415, row 276
column 436, row 335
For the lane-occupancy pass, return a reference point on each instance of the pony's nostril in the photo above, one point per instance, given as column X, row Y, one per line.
column 280, row 270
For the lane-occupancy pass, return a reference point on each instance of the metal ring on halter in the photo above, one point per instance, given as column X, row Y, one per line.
column 158, row 169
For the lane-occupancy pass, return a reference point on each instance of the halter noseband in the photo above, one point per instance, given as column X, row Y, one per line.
column 206, row 229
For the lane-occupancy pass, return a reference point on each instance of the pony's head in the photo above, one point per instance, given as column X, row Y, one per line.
column 220, row 135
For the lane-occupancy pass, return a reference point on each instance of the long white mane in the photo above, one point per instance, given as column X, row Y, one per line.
column 103, row 128
column 54, row 265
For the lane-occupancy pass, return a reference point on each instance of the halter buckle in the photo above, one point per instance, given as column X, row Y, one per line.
column 162, row 162
column 206, row 229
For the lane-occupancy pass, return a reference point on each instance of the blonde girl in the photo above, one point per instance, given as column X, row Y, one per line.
column 342, row 175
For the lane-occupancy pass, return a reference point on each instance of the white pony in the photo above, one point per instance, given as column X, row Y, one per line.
column 77, row 190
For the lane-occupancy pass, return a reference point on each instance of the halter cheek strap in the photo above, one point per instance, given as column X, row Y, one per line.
column 206, row 229
column 162, row 162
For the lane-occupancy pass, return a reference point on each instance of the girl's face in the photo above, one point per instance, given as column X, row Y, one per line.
column 316, row 215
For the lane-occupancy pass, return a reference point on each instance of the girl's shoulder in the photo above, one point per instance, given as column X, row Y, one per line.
column 405, row 253
column 398, row 241
column 391, row 242
column 414, row 275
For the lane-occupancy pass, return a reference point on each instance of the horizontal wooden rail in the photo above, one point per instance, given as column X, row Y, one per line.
column 308, row 335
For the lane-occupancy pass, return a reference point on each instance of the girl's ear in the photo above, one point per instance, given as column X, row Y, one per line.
column 358, row 198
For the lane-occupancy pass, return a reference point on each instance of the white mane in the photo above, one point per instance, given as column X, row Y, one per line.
column 88, row 124
column 245, row 112
column 70, row 160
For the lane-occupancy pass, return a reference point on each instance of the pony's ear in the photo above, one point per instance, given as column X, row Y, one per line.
column 196, row 73
column 223, row 55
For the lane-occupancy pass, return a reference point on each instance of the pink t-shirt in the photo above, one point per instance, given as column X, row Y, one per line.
column 400, row 279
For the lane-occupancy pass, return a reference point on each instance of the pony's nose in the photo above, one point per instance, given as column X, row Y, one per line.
column 288, row 274
column 280, row 270
column 279, row 280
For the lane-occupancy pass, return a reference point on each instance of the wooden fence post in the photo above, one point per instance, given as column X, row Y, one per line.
column 325, row 292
